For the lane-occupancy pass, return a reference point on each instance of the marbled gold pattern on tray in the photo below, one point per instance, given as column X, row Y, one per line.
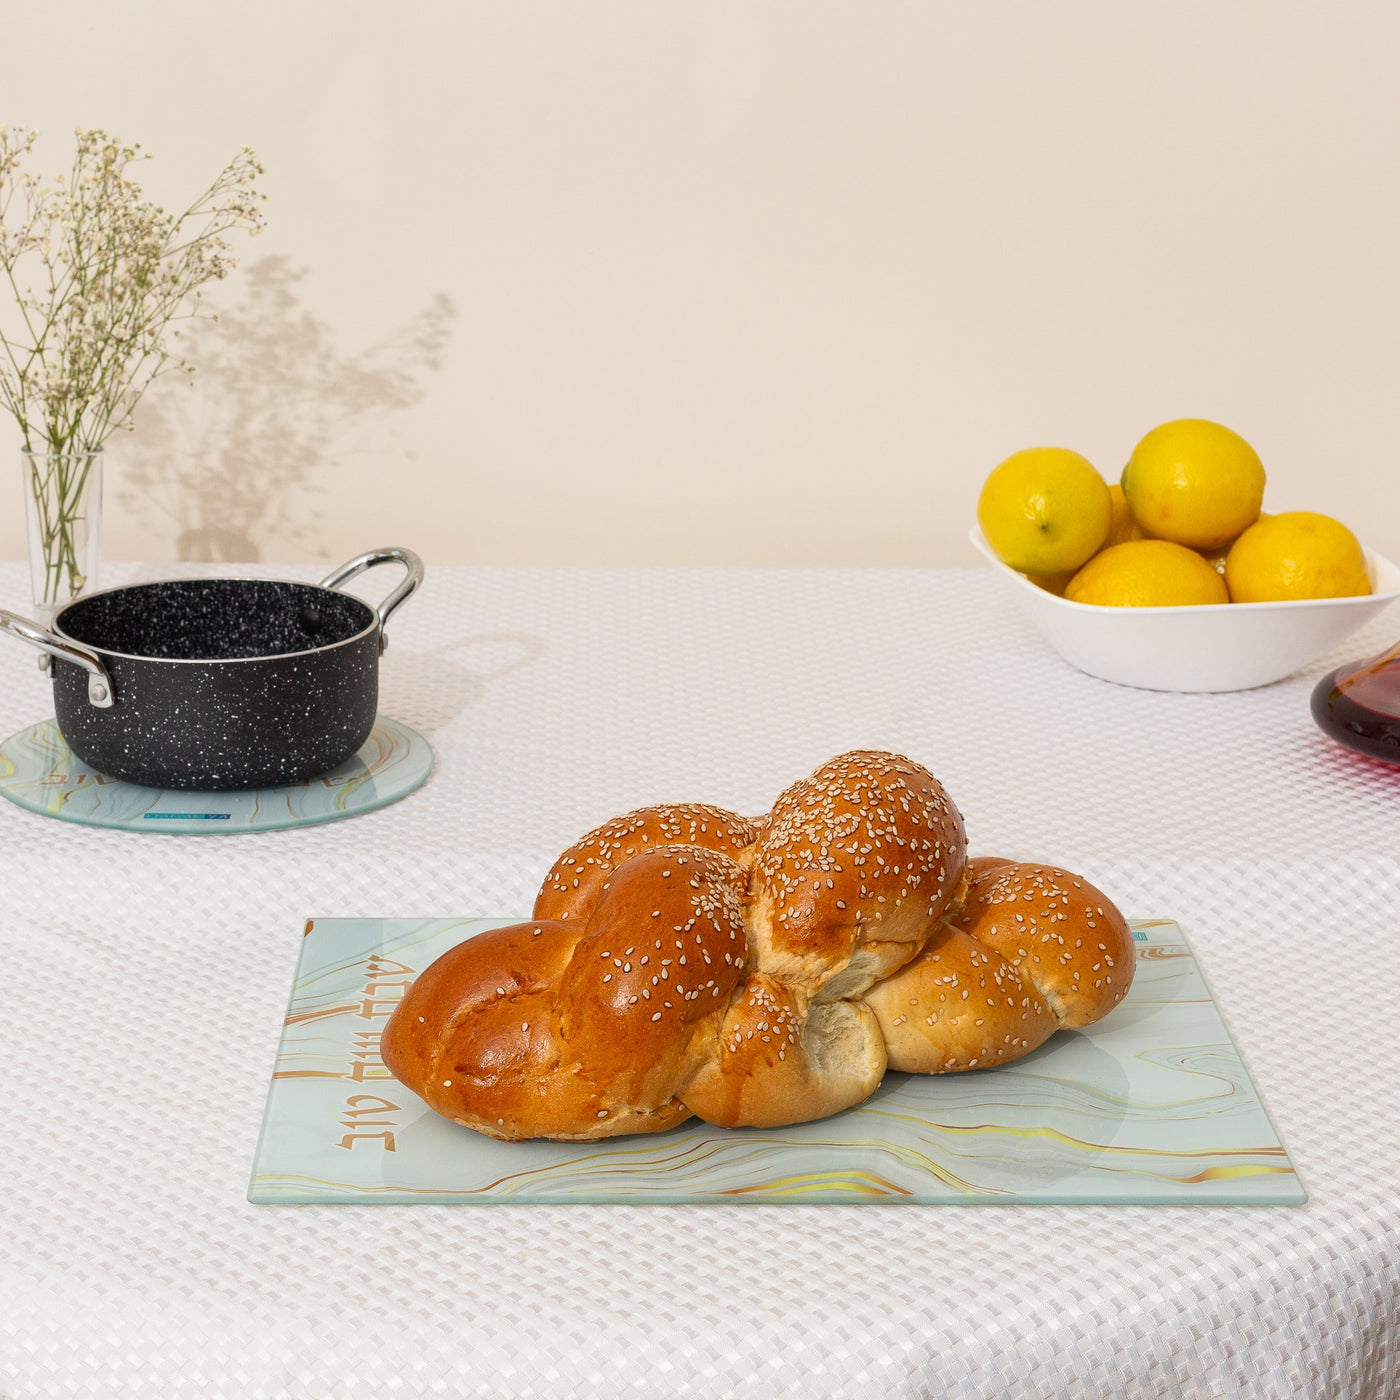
column 1151, row 1105
column 39, row 772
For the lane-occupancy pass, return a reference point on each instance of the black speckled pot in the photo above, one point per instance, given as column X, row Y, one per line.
column 212, row 684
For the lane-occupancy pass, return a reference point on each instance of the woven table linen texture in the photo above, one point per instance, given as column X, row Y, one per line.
column 148, row 977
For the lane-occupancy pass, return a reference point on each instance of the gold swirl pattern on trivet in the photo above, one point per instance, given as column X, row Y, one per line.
column 39, row 772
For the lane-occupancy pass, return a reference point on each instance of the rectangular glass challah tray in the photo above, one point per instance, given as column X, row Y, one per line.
column 1152, row 1105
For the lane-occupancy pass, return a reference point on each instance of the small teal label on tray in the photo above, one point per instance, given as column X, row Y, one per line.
column 186, row 816
column 1152, row 1105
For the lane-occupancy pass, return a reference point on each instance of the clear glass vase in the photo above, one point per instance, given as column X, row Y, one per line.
column 63, row 507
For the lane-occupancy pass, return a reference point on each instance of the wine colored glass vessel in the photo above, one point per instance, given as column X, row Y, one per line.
column 1359, row 706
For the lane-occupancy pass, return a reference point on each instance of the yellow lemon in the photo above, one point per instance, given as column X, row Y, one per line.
column 1194, row 482
column 1051, row 583
column 1123, row 527
column 1044, row 510
column 1216, row 557
column 1297, row 554
column 1147, row 574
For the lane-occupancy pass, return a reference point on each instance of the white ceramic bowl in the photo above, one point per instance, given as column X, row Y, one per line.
column 1209, row 647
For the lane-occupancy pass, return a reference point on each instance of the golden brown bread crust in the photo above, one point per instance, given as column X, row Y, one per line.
column 473, row 1036
column 1066, row 936
column 661, row 954
column 756, row 972
column 958, row 1005
column 855, row 867
column 1034, row 949
column 781, row 1060
column 575, row 880
column 580, row 1030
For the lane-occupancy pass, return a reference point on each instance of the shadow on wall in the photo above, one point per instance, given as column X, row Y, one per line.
column 238, row 458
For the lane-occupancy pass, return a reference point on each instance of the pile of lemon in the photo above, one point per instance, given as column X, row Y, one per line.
column 1184, row 526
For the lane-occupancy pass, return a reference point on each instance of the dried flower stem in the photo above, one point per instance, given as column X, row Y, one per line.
column 115, row 272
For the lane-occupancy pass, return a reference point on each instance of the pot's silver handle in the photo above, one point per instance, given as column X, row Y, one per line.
column 100, row 693
column 413, row 578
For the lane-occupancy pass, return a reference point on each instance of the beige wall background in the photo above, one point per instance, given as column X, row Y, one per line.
column 746, row 283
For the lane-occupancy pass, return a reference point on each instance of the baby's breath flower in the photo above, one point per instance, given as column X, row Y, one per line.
column 115, row 273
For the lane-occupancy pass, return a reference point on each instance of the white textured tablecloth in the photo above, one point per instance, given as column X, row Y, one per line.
column 146, row 978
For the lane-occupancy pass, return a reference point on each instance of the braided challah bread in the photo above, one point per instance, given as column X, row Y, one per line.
column 688, row 961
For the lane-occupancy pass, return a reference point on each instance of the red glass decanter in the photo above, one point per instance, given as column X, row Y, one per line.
column 1359, row 706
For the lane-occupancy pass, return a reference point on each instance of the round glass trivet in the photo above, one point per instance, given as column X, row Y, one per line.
column 39, row 772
